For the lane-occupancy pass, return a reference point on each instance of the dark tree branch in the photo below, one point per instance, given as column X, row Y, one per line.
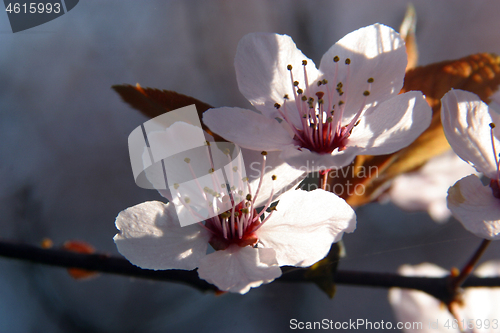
column 436, row 287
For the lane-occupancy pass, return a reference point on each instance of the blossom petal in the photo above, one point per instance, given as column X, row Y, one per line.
column 309, row 161
column 375, row 51
column 484, row 302
column 151, row 237
column 412, row 306
column 248, row 129
column 305, row 225
column 466, row 122
column 475, row 207
column 261, row 70
column 237, row 269
column 393, row 125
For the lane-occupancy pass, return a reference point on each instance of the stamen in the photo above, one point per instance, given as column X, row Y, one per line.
column 285, row 117
column 492, row 126
column 304, row 63
column 268, row 203
column 354, row 121
column 262, row 170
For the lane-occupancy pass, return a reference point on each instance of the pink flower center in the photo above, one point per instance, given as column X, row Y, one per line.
column 321, row 110
column 234, row 227
column 238, row 224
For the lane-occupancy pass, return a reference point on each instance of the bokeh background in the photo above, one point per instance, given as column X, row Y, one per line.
column 65, row 172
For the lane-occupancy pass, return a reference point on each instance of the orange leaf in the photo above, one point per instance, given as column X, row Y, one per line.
column 79, row 247
column 407, row 31
column 46, row 243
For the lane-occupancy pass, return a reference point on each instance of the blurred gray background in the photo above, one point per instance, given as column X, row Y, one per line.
column 65, row 171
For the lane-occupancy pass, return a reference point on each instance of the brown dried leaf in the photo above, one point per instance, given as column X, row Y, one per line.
column 154, row 102
column 479, row 73
column 407, row 31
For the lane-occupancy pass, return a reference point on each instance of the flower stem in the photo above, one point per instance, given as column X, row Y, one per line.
column 469, row 266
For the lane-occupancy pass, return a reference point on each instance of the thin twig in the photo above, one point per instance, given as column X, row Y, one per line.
column 436, row 287
column 469, row 266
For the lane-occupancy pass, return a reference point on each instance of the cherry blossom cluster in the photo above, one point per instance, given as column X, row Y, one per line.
column 310, row 118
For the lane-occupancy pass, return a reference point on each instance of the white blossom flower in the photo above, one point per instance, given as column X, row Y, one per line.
column 322, row 118
column 469, row 126
column 432, row 181
column 249, row 245
column 480, row 308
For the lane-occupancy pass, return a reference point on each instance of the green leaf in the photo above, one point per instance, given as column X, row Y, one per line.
column 323, row 272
